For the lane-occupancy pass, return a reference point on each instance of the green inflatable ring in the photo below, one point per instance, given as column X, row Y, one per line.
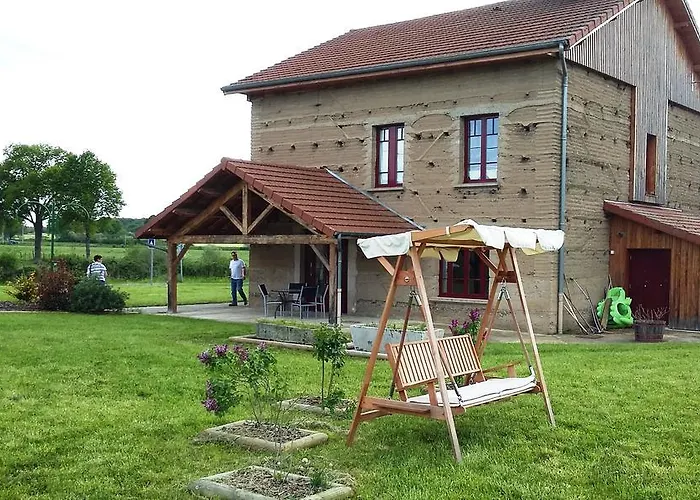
column 621, row 314
column 616, row 293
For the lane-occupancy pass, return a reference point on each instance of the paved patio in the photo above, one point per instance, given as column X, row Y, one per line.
column 247, row 314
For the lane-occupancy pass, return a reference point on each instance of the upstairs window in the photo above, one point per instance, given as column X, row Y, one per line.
column 467, row 277
column 651, row 165
column 389, row 163
column 481, row 148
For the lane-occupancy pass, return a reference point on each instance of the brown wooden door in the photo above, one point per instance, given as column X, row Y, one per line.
column 649, row 274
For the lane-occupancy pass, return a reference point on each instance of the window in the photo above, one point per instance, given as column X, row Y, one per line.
column 481, row 148
column 651, row 165
column 467, row 277
column 389, row 168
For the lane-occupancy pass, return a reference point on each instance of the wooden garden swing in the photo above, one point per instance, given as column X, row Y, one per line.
column 430, row 362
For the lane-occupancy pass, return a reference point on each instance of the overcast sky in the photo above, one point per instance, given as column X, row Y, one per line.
column 138, row 82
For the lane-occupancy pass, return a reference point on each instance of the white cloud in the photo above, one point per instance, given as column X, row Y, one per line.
column 138, row 82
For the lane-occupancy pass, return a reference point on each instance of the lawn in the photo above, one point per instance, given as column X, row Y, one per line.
column 107, row 406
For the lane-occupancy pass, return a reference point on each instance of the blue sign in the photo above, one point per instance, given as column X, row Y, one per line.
column 152, row 242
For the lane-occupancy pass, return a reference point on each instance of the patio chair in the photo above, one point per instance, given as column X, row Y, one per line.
column 320, row 300
column 266, row 299
column 306, row 300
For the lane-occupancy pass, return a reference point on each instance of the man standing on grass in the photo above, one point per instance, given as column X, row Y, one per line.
column 238, row 270
column 97, row 270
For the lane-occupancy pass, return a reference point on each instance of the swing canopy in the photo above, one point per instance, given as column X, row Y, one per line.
column 426, row 364
column 446, row 242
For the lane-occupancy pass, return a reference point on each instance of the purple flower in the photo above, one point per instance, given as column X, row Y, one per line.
column 262, row 346
column 210, row 404
column 205, row 357
column 221, row 350
column 474, row 315
column 241, row 352
column 454, row 323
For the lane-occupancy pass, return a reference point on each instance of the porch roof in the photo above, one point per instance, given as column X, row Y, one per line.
column 318, row 200
column 667, row 220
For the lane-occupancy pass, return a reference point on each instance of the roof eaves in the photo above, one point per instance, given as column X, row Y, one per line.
column 621, row 211
column 242, row 87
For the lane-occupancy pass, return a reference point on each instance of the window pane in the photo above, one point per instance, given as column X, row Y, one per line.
column 475, row 155
column 495, row 125
column 474, row 287
column 471, row 127
column 458, row 287
column 475, row 172
column 383, row 179
column 384, row 134
column 399, row 133
column 475, row 142
column 491, row 155
column 492, row 141
column 384, row 157
column 477, row 127
column 491, row 170
column 443, row 276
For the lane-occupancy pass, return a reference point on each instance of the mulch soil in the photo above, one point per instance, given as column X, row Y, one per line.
column 267, row 431
column 264, row 482
column 12, row 306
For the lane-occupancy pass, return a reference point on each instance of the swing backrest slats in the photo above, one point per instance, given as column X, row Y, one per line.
column 416, row 368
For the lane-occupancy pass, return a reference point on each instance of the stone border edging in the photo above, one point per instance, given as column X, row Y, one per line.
column 248, row 339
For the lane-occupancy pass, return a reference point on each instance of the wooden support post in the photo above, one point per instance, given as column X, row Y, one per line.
column 490, row 313
column 383, row 320
column 533, row 341
column 432, row 339
column 332, row 283
column 172, row 276
column 246, row 209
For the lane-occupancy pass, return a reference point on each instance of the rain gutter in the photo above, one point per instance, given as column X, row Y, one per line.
column 562, row 185
column 234, row 88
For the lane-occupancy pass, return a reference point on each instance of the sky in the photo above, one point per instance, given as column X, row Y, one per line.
column 138, row 82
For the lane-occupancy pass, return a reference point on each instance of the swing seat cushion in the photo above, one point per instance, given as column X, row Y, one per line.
column 483, row 392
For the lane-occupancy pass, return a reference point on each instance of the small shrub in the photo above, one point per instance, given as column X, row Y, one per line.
column 9, row 266
column 25, row 288
column 55, row 288
column 240, row 375
column 470, row 326
column 91, row 296
column 76, row 264
column 330, row 348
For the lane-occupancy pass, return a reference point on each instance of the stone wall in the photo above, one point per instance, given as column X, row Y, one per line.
column 683, row 159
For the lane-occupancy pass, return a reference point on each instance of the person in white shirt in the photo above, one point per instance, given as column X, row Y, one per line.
column 97, row 270
column 238, row 272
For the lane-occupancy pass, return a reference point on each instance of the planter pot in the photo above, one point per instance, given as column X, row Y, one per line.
column 225, row 485
column 233, row 433
column 284, row 333
column 649, row 331
column 363, row 336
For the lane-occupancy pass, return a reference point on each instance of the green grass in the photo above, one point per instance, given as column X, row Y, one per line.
column 190, row 291
column 107, row 406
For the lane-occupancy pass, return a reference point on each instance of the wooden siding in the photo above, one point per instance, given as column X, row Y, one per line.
column 684, row 293
column 631, row 49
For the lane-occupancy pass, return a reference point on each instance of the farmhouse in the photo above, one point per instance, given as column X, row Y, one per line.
column 581, row 115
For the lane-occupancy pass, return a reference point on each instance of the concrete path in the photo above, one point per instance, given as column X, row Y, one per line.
column 247, row 314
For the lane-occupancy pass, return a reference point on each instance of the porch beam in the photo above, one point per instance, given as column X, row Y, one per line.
column 182, row 252
column 260, row 218
column 278, row 239
column 208, row 212
column 245, row 210
column 321, row 257
column 289, row 214
column 172, row 276
column 234, row 220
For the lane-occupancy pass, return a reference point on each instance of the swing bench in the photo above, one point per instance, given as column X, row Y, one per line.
column 429, row 363
column 412, row 368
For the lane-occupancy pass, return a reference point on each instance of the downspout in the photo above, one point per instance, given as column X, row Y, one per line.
column 339, row 281
column 562, row 185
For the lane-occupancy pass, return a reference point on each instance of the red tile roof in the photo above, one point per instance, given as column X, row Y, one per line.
column 511, row 26
column 668, row 220
column 322, row 200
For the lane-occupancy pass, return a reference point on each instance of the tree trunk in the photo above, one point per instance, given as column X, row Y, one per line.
column 87, row 241
column 38, row 233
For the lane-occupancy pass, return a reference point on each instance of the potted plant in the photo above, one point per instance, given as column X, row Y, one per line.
column 240, row 375
column 363, row 335
column 649, row 324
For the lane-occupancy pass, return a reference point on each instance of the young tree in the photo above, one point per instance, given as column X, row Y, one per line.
column 28, row 184
column 89, row 189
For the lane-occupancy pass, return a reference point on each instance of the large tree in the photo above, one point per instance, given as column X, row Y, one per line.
column 89, row 189
column 29, row 185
